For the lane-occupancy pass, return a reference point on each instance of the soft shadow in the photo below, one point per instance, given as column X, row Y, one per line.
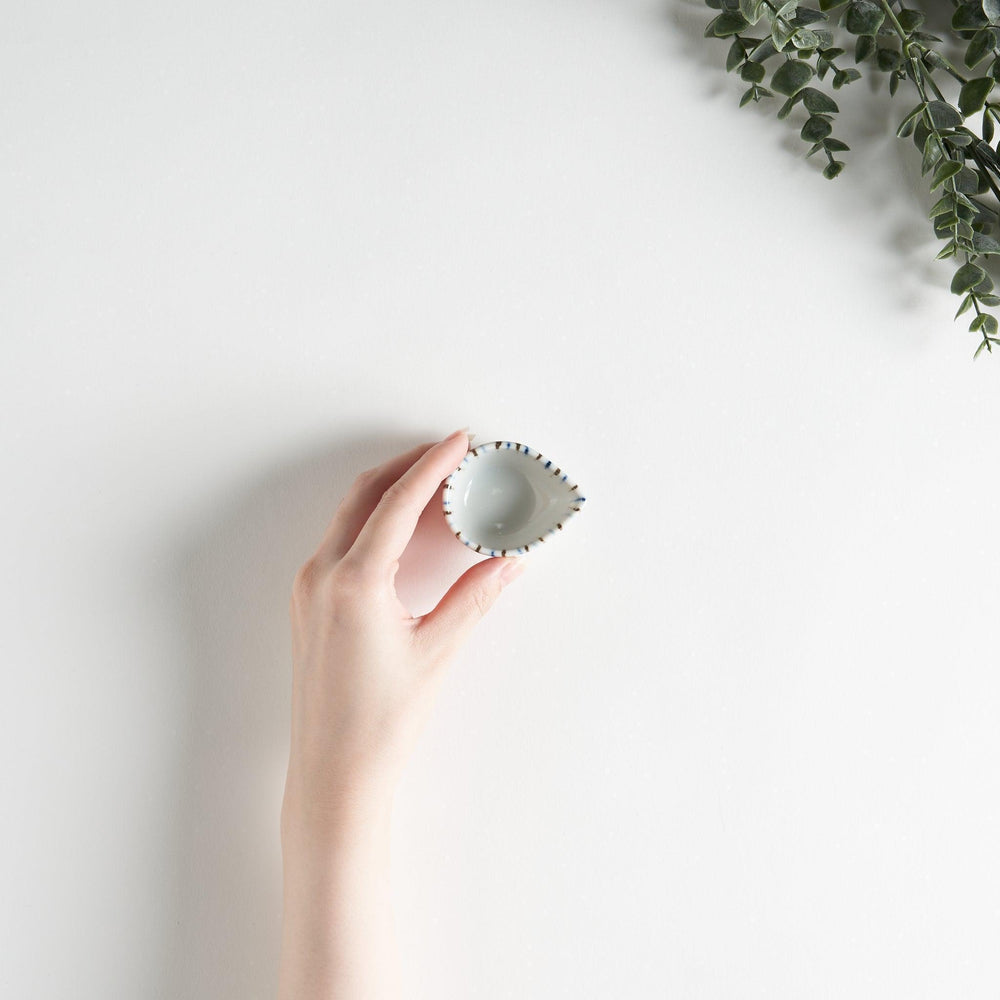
column 230, row 573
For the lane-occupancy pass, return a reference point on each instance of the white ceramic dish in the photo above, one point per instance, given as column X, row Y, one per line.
column 506, row 497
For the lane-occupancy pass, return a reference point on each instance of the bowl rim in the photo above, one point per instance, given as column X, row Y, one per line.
column 529, row 452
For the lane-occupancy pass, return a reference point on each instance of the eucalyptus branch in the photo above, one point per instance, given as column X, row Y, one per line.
column 940, row 120
column 962, row 164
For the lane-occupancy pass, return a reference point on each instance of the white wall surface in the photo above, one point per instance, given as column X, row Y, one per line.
column 735, row 734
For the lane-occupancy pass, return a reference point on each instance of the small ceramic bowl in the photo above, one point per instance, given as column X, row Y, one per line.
column 506, row 497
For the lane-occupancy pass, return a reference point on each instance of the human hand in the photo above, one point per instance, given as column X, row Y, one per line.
column 366, row 671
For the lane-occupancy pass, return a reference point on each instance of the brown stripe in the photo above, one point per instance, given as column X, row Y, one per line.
column 475, row 452
column 556, row 473
column 559, row 526
column 527, row 546
column 458, row 534
column 517, row 445
column 574, row 487
column 538, row 456
column 503, row 552
column 540, row 538
column 479, row 548
column 498, row 445
column 574, row 508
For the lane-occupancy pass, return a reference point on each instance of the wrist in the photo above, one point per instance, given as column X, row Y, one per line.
column 334, row 813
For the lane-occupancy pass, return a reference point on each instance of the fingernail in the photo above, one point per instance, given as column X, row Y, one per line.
column 514, row 568
column 462, row 432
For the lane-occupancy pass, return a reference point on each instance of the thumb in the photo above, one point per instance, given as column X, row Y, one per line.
column 468, row 599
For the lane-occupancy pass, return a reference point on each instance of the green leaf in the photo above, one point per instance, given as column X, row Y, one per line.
column 910, row 20
column 988, row 125
column 943, row 206
column 752, row 72
column 945, row 169
column 781, row 34
column 752, row 10
column 729, row 22
column 980, row 46
column 943, row 115
column 947, row 251
column 967, row 214
column 991, row 8
column 989, row 299
column 791, row 77
column 982, row 344
column 932, row 153
column 805, row 15
column 831, row 4
column 968, row 17
column 748, row 96
column 764, row 51
column 888, row 60
column 835, row 146
column 786, row 109
column 990, row 326
column 815, row 129
column 817, row 103
column 845, row 76
column 966, row 278
column 864, row 47
column 863, row 17
column 736, row 55
column 974, row 94
column 965, row 306
column 907, row 125
column 805, row 39
column 985, row 244
column 833, row 169
column 977, row 322
column 967, row 181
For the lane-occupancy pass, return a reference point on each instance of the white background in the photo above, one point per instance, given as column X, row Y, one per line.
column 735, row 732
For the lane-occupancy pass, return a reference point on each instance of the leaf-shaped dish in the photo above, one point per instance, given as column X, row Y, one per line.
column 506, row 497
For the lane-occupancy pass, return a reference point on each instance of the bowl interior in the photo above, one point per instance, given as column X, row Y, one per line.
column 503, row 499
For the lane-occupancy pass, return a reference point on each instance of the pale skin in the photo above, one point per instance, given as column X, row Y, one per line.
column 365, row 674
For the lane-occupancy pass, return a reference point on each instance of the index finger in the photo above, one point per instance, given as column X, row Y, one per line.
column 357, row 506
column 391, row 525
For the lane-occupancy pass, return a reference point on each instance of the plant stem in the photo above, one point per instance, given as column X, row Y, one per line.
column 984, row 170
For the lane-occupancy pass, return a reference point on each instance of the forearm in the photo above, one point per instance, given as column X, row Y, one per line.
column 364, row 676
column 338, row 939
